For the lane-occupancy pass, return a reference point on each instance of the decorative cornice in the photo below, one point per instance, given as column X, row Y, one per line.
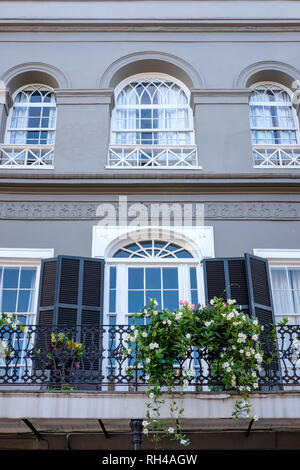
column 238, row 210
column 72, row 96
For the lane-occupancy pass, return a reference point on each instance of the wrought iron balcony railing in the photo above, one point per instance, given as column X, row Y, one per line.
column 276, row 156
column 26, row 156
column 152, row 156
column 30, row 360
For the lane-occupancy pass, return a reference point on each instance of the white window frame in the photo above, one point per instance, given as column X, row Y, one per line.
column 8, row 129
column 22, row 257
column 156, row 77
column 266, row 103
column 199, row 241
column 280, row 258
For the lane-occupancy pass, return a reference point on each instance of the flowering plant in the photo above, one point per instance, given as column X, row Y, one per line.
column 11, row 323
column 230, row 337
column 63, row 354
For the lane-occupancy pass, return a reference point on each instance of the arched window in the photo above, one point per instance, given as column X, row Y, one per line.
column 272, row 116
column 151, row 115
column 30, row 132
column 145, row 269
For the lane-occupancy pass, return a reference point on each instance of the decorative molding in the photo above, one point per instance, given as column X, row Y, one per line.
column 241, row 80
column 107, row 78
column 60, row 77
column 72, row 96
column 58, row 210
column 220, row 96
column 28, row 253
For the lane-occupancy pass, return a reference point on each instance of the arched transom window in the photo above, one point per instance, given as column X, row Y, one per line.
column 32, row 119
column 152, row 123
column 152, row 249
column 272, row 116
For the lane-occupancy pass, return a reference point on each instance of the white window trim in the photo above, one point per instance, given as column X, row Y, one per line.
column 107, row 240
column 9, row 118
column 295, row 117
column 27, row 257
column 279, row 256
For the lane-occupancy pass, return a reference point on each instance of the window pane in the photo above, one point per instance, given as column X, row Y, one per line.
column 10, row 278
column 193, row 278
column 136, row 278
column 112, row 278
column 135, row 301
column 154, row 294
column 9, row 299
column 25, row 301
column 27, row 279
column 171, row 300
column 153, row 280
column 112, row 301
column 170, row 278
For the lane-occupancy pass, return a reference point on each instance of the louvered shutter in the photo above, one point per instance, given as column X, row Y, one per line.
column 247, row 281
column 261, row 307
column 226, row 278
column 71, row 300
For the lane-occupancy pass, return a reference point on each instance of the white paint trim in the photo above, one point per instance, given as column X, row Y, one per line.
column 108, row 239
column 27, row 253
column 277, row 253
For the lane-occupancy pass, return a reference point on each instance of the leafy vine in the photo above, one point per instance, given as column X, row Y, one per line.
column 160, row 340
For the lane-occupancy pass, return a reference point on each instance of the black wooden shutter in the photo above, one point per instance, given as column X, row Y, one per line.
column 226, row 278
column 261, row 307
column 246, row 280
column 71, row 300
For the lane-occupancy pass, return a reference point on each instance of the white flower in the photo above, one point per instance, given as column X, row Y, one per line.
column 171, row 430
column 255, row 417
column 164, row 322
column 255, row 385
column 254, row 337
column 155, row 302
column 190, row 373
column 155, row 312
column 147, row 377
column 255, row 322
column 228, row 369
column 151, row 346
column 185, row 383
column 188, row 336
column 231, row 301
column 230, row 316
column 13, row 325
column 212, row 301
column 169, row 322
column 145, row 431
column 151, row 395
column 12, row 354
column 145, row 311
column 178, row 315
column 148, row 360
column 144, row 334
column 234, row 347
column 145, row 423
column 26, row 329
column 258, row 357
column 156, row 345
column 241, row 351
column 254, row 374
column 226, row 364
column 248, row 354
column 132, row 327
column 183, row 441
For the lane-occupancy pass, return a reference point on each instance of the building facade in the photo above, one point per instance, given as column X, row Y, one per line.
column 146, row 137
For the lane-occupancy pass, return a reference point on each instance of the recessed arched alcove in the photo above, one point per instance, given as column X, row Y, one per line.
column 150, row 62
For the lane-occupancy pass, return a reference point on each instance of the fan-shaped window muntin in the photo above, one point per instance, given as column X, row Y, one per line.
column 32, row 118
column 272, row 116
column 152, row 111
column 153, row 249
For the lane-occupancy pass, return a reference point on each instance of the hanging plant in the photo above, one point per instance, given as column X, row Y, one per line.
column 160, row 339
